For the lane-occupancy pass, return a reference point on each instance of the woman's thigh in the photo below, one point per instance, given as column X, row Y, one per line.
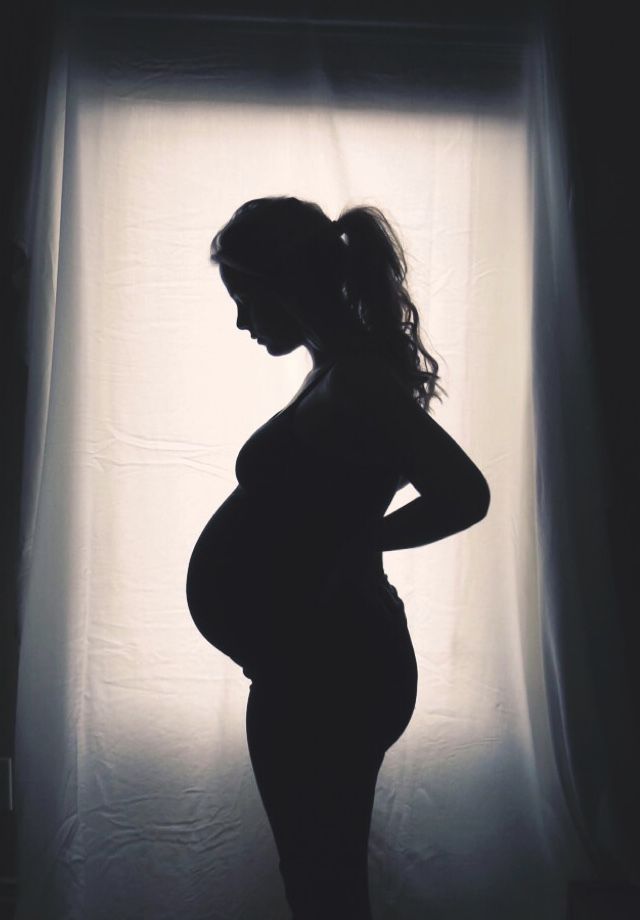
column 314, row 763
column 320, row 716
column 316, row 771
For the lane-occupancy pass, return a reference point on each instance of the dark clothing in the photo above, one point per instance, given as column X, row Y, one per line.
column 334, row 675
column 317, row 739
column 259, row 569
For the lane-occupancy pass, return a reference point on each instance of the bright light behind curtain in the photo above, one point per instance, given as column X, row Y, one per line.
column 135, row 790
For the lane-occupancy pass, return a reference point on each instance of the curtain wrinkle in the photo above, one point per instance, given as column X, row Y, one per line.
column 39, row 232
column 48, row 784
column 590, row 714
column 150, row 140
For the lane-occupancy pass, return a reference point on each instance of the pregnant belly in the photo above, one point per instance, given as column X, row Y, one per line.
column 250, row 572
column 269, row 582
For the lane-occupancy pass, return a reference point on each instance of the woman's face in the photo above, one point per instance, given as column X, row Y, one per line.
column 262, row 312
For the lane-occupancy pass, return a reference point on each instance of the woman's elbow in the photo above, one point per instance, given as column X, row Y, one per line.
column 479, row 501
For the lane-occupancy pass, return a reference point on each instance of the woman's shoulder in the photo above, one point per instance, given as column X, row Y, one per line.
column 338, row 416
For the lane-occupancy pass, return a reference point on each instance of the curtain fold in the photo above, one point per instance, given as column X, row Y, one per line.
column 134, row 790
column 48, row 689
column 591, row 715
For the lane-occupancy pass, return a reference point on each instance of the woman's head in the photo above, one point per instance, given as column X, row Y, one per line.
column 280, row 260
column 300, row 278
column 263, row 311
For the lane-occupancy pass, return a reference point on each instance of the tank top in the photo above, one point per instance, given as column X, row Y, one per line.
column 263, row 560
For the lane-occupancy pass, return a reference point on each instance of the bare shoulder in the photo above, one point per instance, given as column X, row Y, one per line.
column 322, row 418
column 368, row 404
column 344, row 415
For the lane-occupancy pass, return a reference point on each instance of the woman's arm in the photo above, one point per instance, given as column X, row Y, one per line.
column 372, row 409
column 423, row 520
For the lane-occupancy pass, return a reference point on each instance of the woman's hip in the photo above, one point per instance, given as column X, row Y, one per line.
column 353, row 660
column 359, row 625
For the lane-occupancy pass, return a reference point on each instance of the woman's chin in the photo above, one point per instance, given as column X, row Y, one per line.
column 278, row 348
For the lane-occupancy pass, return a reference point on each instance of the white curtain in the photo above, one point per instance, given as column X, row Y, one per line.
column 135, row 794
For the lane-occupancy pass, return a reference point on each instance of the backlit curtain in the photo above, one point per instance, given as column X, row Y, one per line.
column 135, row 794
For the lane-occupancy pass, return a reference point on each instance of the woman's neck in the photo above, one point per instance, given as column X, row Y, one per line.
column 326, row 352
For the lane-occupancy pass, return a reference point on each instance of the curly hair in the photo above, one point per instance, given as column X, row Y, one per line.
column 356, row 262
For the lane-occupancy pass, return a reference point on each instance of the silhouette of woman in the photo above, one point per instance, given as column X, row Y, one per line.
column 286, row 577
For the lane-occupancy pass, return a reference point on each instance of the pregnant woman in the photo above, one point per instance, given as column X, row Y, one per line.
column 287, row 577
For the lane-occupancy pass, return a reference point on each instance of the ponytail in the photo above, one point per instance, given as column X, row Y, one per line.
column 374, row 288
column 355, row 263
